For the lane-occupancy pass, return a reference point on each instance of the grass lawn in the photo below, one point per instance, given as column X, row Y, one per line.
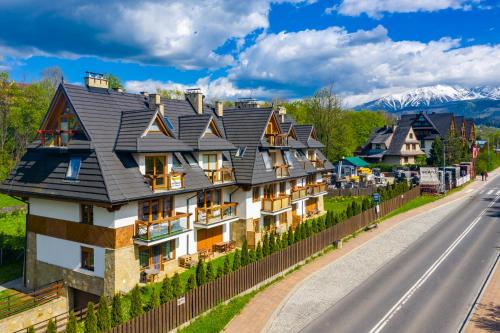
column 417, row 202
column 7, row 201
column 11, row 271
column 339, row 203
column 12, row 236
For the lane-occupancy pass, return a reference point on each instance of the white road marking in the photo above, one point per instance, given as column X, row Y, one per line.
column 399, row 304
column 489, row 192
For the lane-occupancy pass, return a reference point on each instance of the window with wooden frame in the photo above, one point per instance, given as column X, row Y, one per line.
column 156, row 170
column 156, row 209
column 293, row 183
column 408, row 146
column 283, row 188
column 257, row 226
column 269, row 191
column 87, row 258
column 209, row 198
column 61, row 125
column 311, row 179
column 256, row 193
column 210, row 161
column 87, row 214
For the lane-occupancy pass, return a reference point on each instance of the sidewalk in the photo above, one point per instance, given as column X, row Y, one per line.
column 486, row 318
column 261, row 309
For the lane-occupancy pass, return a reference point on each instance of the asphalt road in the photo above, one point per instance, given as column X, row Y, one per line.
column 432, row 285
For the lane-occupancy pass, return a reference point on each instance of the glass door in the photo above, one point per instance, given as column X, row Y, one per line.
column 156, row 254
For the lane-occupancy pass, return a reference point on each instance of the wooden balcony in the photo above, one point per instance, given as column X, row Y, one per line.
column 316, row 188
column 299, row 193
column 318, row 164
column 275, row 204
column 218, row 213
column 169, row 182
column 55, row 138
column 281, row 171
column 220, row 176
column 150, row 231
column 277, row 140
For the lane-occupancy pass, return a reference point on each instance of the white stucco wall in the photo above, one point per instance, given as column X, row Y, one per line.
column 246, row 207
column 62, row 210
column 185, row 244
column 67, row 254
column 122, row 217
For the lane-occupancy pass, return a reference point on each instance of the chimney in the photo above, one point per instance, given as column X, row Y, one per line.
column 282, row 113
column 155, row 103
column 95, row 80
column 195, row 97
column 219, row 108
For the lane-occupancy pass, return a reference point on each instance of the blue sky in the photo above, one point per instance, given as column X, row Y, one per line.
column 260, row 48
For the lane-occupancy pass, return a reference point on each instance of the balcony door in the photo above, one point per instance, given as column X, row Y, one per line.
column 210, row 161
column 269, row 191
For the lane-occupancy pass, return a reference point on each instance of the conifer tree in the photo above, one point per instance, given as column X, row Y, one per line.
column 103, row 315
column 201, row 273
column 71, row 325
column 220, row 271
column 251, row 256
column 227, row 265
column 177, row 288
column 117, row 310
column 272, row 243
column 258, row 251
column 236, row 260
column 291, row 239
column 135, row 302
column 154, row 301
column 211, row 273
column 90, row 320
column 265, row 246
column 51, row 327
column 244, row 253
column 166, row 290
column 31, row 329
column 191, row 282
column 349, row 211
column 284, row 240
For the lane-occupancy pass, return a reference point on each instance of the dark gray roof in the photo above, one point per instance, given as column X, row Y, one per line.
column 469, row 124
column 192, row 129
column 442, row 122
column 304, row 134
column 398, row 139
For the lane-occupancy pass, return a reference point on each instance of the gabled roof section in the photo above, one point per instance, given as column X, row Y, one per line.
column 442, row 122
column 398, row 139
column 201, row 132
column 307, row 135
column 245, row 127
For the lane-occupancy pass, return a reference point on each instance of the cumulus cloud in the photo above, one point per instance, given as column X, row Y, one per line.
column 186, row 35
column 364, row 61
column 376, row 8
column 220, row 88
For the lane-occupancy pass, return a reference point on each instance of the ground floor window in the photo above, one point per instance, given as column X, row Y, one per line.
column 87, row 258
column 269, row 223
column 154, row 256
column 283, row 218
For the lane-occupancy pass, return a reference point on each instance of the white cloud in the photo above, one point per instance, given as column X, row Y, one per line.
column 220, row 88
column 375, row 8
column 364, row 62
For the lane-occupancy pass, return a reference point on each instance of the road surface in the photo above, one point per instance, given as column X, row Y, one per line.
column 432, row 285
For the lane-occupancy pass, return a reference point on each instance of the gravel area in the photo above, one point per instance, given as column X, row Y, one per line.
column 328, row 285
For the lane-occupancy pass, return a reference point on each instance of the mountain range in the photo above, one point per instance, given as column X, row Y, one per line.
column 481, row 103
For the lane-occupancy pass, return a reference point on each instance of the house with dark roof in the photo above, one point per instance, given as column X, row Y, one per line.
column 392, row 145
column 122, row 187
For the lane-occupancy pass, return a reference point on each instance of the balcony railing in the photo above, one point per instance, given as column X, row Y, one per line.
column 216, row 214
column 154, row 230
column 281, row 171
column 318, row 164
column 299, row 193
column 220, row 176
column 316, row 188
column 55, row 138
column 275, row 204
column 279, row 140
column 169, row 182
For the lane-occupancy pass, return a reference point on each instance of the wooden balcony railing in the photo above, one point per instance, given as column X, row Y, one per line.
column 154, row 230
column 55, row 138
column 318, row 164
column 275, row 204
column 281, row 171
column 316, row 188
column 219, row 176
column 278, row 140
column 216, row 213
column 299, row 193
column 169, row 182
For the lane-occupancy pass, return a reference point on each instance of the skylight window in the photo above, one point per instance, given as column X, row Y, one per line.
column 288, row 158
column 190, row 158
column 169, row 123
column 73, row 168
column 176, row 164
column 241, row 151
column 267, row 160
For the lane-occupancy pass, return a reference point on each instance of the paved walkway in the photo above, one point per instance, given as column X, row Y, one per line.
column 486, row 318
column 272, row 310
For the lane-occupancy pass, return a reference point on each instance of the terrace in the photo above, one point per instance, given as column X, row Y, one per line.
column 214, row 214
column 276, row 204
column 150, row 231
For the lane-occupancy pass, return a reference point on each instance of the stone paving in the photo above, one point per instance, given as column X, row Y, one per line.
column 266, row 310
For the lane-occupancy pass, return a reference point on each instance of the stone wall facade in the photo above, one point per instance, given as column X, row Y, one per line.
column 122, row 271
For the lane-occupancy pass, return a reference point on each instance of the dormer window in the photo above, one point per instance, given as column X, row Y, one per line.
column 73, row 168
column 241, row 151
column 156, row 170
column 267, row 160
column 288, row 158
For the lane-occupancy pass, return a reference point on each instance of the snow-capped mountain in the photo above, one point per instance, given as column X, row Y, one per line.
column 429, row 96
column 481, row 103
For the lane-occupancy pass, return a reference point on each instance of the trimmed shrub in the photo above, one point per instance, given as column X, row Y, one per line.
column 201, row 273
column 244, row 253
column 117, row 317
column 166, row 293
column 135, row 302
column 211, row 273
column 154, row 301
column 284, row 240
column 103, row 315
column 252, row 256
column 177, row 287
column 291, row 238
column 236, row 260
column 70, row 325
column 220, row 271
column 227, row 265
column 51, row 327
column 31, row 329
column 258, row 251
column 191, row 282
column 90, row 320
column 272, row 243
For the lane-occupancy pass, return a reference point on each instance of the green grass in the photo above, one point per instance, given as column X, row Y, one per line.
column 415, row 203
column 340, row 203
column 7, row 201
column 11, row 271
column 12, row 236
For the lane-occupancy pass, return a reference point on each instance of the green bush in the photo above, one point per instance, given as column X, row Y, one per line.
column 71, row 325
column 258, row 251
column 272, row 243
column 251, row 256
column 91, row 320
column 191, row 282
column 227, row 265
column 117, row 316
column 291, row 238
column 220, row 271
column 177, row 287
column 135, row 302
column 31, row 329
column 211, row 273
column 166, row 290
column 236, row 260
column 265, row 246
column 201, row 274
column 154, row 301
column 244, row 254
column 103, row 315
column 51, row 327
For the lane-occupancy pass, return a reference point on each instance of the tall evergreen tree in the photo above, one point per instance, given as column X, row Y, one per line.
column 258, row 251
column 154, row 301
column 265, row 245
column 166, row 290
column 191, row 282
column 244, row 253
column 135, row 302
column 51, row 327
column 436, row 154
column 177, row 287
column 71, row 325
column 103, row 315
column 201, row 274
column 211, row 273
column 117, row 315
column 291, row 238
column 227, row 265
column 91, row 320
column 236, row 260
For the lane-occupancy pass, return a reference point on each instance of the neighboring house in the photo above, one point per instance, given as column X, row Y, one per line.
column 122, row 184
column 392, row 145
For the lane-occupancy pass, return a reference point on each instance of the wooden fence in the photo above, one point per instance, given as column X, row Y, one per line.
column 18, row 302
column 348, row 192
column 176, row 312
